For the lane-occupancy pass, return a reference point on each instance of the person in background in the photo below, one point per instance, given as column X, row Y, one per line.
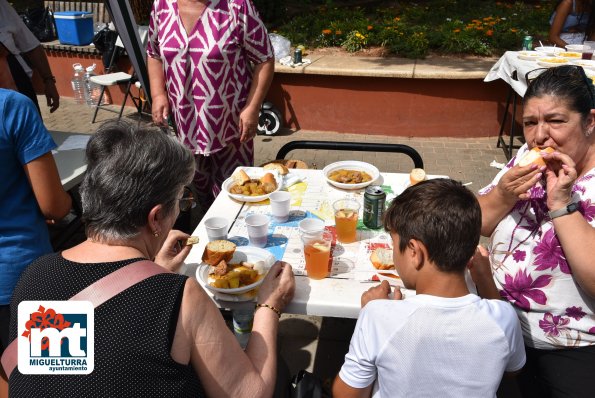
column 569, row 21
column 541, row 223
column 443, row 341
column 163, row 336
column 30, row 193
column 26, row 52
column 201, row 78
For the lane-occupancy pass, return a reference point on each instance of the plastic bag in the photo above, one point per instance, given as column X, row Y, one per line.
column 105, row 42
column 281, row 45
column 40, row 22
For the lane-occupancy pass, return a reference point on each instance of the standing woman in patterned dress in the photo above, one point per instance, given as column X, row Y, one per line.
column 200, row 53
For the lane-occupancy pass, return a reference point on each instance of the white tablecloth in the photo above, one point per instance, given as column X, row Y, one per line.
column 336, row 296
column 70, row 157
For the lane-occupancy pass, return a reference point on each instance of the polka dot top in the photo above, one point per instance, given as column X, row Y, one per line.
column 134, row 332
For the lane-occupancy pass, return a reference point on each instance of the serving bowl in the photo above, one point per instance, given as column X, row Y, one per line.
column 243, row 253
column 549, row 50
column 253, row 174
column 351, row 165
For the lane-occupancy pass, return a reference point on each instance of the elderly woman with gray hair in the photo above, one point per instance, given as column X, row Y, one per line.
column 163, row 336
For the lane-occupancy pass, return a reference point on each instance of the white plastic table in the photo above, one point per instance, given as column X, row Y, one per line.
column 70, row 157
column 327, row 297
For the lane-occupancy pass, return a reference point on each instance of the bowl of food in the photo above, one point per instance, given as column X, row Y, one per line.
column 585, row 63
column 575, row 47
column 529, row 55
column 350, row 174
column 571, row 55
column 552, row 61
column 252, row 185
column 233, row 270
column 549, row 50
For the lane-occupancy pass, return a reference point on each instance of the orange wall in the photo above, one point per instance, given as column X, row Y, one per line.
column 367, row 105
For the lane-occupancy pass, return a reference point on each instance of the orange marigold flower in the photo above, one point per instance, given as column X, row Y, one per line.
column 457, row 30
column 492, row 23
column 370, row 27
column 326, row 32
column 513, row 30
column 338, row 32
column 489, row 32
column 397, row 19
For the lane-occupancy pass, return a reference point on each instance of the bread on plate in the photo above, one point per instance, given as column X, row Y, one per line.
column 534, row 156
column 276, row 166
column 417, row 175
column 218, row 250
column 268, row 182
column 382, row 258
column 240, row 177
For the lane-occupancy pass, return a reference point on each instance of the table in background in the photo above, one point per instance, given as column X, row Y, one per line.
column 327, row 297
column 71, row 162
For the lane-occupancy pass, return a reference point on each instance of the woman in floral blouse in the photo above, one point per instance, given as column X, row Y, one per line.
column 541, row 223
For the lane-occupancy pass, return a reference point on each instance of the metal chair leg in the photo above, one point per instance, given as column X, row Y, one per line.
column 125, row 98
column 98, row 104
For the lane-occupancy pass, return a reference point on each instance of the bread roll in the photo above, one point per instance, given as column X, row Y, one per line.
column 417, row 175
column 382, row 258
column 240, row 177
column 193, row 240
column 534, row 157
column 268, row 182
column 277, row 166
column 218, row 250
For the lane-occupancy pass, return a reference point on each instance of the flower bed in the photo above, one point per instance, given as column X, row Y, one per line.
column 413, row 30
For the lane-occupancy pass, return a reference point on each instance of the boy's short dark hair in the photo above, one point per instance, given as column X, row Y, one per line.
column 443, row 215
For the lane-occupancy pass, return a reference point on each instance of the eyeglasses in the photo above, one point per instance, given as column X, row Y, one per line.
column 186, row 202
column 563, row 71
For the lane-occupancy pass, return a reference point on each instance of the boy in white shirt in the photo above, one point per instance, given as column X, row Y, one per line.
column 444, row 341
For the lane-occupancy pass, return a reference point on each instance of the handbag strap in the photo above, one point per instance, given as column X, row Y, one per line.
column 97, row 293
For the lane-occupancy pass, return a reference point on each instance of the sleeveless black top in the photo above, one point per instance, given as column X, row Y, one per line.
column 134, row 333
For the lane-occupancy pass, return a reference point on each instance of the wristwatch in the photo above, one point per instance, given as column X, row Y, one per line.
column 571, row 208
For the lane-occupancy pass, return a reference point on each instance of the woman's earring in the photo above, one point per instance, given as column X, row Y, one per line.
column 156, row 234
column 589, row 132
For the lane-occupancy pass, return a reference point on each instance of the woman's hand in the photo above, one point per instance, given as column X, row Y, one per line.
column 560, row 176
column 517, row 181
column 278, row 286
column 160, row 110
column 380, row 292
column 172, row 254
column 248, row 123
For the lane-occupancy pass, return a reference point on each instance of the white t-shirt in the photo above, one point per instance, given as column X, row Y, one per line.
column 15, row 35
column 427, row 346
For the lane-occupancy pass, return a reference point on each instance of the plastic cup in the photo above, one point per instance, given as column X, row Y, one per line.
column 588, row 48
column 280, row 204
column 311, row 226
column 317, row 253
column 216, row 228
column 346, row 215
column 258, row 229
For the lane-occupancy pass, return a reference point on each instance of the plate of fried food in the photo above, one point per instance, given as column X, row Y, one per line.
column 350, row 174
column 529, row 55
column 231, row 269
column 552, row 61
column 252, row 186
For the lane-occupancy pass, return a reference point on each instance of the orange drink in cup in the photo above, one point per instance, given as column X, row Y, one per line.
column 346, row 214
column 317, row 252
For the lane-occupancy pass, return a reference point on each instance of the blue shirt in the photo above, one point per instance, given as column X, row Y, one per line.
column 23, row 232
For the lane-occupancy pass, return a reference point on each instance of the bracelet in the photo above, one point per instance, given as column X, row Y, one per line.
column 49, row 78
column 257, row 306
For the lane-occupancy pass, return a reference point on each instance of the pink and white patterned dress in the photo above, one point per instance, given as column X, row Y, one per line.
column 207, row 73
column 531, row 271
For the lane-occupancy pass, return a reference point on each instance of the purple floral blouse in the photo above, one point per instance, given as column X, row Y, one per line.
column 207, row 73
column 531, row 271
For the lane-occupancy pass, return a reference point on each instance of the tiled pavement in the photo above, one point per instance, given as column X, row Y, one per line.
column 314, row 343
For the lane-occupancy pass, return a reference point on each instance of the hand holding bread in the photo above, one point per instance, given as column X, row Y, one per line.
column 278, row 287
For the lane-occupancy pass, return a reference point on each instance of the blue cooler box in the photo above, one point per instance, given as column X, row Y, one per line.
column 74, row 27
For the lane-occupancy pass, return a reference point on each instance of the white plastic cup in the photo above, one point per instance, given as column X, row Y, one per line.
column 258, row 229
column 280, row 204
column 311, row 227
column 216, row 228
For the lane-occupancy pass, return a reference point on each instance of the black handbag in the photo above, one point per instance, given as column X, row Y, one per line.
column 40, row 22
column 305, row 385
column 105, row 42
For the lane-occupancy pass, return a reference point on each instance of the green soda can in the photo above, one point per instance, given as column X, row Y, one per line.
column 528, row 43
column 374, row 202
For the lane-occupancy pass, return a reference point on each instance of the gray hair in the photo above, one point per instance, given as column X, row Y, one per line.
column 129, row 171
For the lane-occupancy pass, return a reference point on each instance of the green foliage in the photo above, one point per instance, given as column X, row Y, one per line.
column 413, row 30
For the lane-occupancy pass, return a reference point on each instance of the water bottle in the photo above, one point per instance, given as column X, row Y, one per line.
column 93, row 90
column 78, row 84
column 242, row 325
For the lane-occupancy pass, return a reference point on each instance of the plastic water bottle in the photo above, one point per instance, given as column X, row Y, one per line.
column 93, row 90
column 78, row 84
column 242, row 325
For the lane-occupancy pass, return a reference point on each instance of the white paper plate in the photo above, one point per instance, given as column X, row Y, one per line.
column 351, row 165
column 552, row 62
column 570, row 55
column 242, row 253
column 393, row 281
column 585, row 63
column 529, row 55
column 253, row 174
column 550, row 50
